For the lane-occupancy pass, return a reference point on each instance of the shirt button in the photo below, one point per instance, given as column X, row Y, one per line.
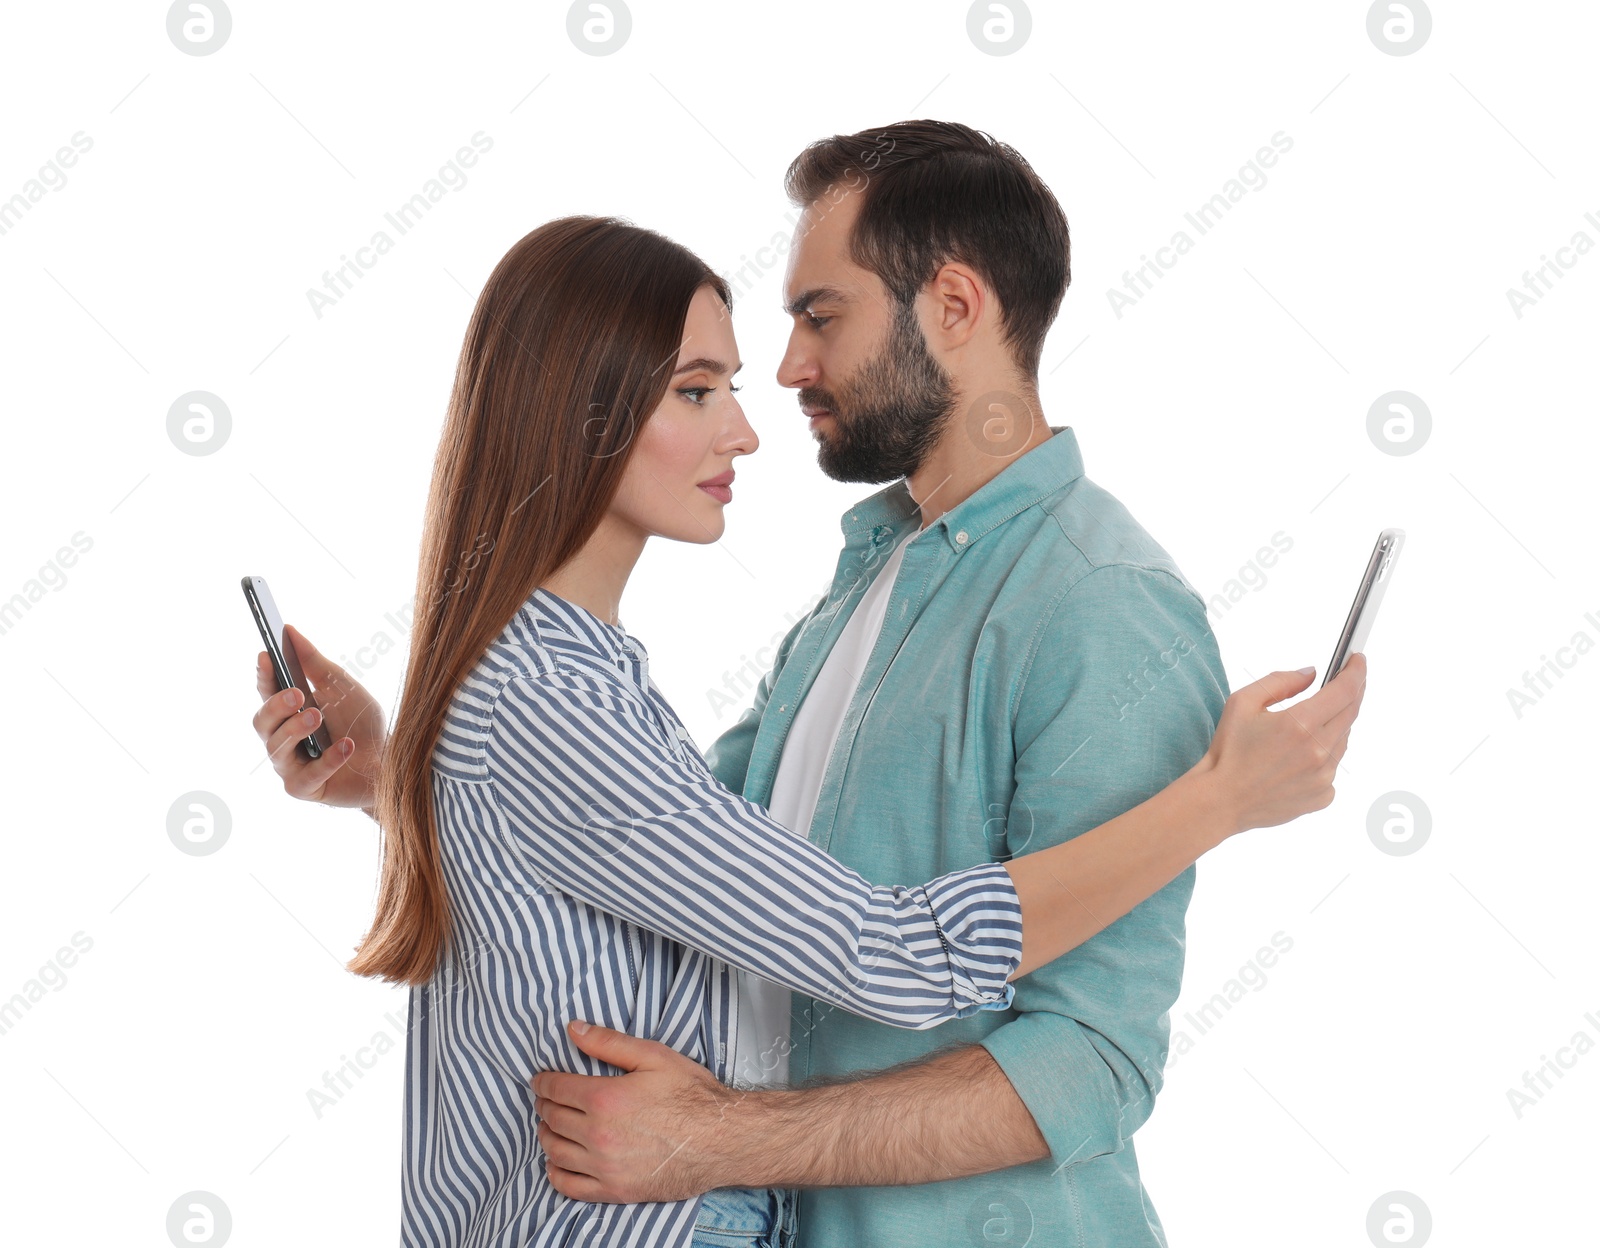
column 961, row 538
column 682, row 735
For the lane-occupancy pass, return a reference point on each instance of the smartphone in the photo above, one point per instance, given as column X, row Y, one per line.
column 1380, row 571
column 285, row 663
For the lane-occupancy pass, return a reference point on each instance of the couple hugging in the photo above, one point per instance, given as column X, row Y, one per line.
column 890, row 963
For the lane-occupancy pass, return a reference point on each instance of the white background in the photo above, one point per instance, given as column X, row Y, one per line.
column 1228, row 405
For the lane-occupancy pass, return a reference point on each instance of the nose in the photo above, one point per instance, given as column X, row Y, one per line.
column 798, row 368
column 740, row 436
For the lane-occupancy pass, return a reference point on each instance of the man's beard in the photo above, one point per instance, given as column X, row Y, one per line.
column 888, row 417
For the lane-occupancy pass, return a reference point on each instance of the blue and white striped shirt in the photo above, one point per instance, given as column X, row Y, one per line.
column 597, row 869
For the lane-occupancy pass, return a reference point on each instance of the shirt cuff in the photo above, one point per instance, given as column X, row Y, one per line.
column 979, row 921
column 1066, row 1084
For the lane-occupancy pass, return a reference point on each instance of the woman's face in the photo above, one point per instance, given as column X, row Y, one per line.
column 675, row 482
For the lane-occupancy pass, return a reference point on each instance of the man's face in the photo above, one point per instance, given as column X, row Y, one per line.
column 876, row 399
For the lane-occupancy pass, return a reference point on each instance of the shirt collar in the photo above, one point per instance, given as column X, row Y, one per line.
column 878, row 518
column 1034, row 475
column 544, row 610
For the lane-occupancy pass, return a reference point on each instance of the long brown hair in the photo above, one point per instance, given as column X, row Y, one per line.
column 569, row 350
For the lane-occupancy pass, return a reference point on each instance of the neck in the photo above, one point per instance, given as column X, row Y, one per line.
column 964, row 460
column 595, row 577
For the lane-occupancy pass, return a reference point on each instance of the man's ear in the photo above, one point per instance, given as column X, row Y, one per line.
column 961, row 305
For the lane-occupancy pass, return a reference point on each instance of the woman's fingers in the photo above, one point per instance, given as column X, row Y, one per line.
column 303, row 777
column 282, row 725
column 1335, row 733
column 1336, row 751
column 294, row 729
column 347, row 714
column 1281, row 764
column 1340, row 724
column 1273, row 687
column 266, row 682
column 308, row 781
column 1343, row 691
column 272, row 713
column 322, row 671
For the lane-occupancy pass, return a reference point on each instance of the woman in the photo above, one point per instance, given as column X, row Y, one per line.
column 556, row 847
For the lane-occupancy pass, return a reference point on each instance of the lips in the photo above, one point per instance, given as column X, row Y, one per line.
column 717, row 486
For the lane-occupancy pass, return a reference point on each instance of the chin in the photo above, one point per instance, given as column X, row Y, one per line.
column 711, row 531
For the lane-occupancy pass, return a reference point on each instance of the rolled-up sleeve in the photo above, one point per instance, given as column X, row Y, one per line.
column 1121, row 698
column 598, row 802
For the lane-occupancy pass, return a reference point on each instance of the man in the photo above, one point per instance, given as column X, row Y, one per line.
column 1038, row 666
column 1005, row 659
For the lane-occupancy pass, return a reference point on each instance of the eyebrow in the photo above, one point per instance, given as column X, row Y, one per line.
column 710, row 366
column 803, row 302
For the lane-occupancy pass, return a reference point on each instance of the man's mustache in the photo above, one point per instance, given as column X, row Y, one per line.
column 818, row 399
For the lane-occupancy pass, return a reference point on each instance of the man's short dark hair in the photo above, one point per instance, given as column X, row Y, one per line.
column 935, row 191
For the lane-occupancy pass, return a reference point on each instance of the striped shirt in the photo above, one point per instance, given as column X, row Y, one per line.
column 597, row 869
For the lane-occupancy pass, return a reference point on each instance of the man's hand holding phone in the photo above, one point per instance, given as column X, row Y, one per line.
column 347, row 774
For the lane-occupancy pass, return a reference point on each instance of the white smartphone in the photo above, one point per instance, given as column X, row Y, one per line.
column 1374, row 581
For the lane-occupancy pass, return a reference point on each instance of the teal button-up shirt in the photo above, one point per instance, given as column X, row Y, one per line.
column 1043, row 666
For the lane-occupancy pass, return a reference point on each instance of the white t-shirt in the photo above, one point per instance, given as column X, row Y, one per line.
column 761, row 1047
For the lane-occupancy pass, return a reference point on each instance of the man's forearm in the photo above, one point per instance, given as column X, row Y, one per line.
column 944, row 1117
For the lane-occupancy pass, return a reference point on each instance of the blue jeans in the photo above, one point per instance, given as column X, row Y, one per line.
column 746, row 1217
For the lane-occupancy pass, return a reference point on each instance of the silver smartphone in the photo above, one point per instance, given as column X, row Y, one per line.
column 1380, row 571
column 285, row 663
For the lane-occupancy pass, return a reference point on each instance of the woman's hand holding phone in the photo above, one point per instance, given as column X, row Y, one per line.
column 1274, row 766
column 346, row 775
column 1263, row 767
